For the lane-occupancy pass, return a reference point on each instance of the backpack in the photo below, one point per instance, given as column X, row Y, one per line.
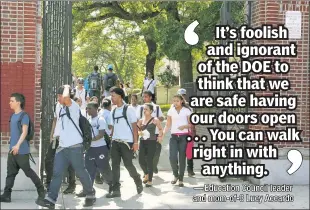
column 111, row 82
column 124, row 116
column 30, row 133
column 105, row 135
column 94, row 81
column 141, row 111
column 85, row 129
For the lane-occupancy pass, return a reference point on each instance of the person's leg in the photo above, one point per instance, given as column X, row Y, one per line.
column 190, row 167
column 182, row 158
column 156, row 157
column 102, row 162
column 76, row 159
column 49, row 164
column 71, row 180
column 142, row 160
column 60, row 165
column 23, row 163
column 91, row 168
column 12, row 171
column 127, row 156
column 151, row 149
column 116, row 161
column 173, row 157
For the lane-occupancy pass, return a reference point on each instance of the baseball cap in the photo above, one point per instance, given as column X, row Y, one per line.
column 110, row 67
column 181, row 91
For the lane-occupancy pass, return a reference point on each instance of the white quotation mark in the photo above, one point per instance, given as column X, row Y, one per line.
column 190, row 36
column 295, row 157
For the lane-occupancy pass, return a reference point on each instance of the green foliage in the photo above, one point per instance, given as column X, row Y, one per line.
column 167, row 78
column 165, row 107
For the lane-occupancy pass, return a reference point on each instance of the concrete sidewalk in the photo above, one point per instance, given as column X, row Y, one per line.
column 162, row 195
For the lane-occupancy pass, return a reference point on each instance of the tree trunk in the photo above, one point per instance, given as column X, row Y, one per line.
column 186, row 65
column 151, row 56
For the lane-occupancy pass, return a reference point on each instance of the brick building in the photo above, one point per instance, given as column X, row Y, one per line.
column 20, row 61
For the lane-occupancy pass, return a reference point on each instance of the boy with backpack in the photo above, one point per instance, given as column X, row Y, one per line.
column 124, row 142
column 74, row 137
column 81, row 93
column 148, row 98
column 110, row 80
column 95, row 83
column 21, row 132
column 97, row 157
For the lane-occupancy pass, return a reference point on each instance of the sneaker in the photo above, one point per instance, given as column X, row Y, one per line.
column 45, row 203
column 89, row 202
column 191, row 174
column 69, row 190
column 98, row 181
column 114, row 194
column 41, row 193
column 5, row 198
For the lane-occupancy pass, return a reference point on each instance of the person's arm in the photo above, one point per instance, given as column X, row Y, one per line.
column 53, row 128
column 188, row 126
column 168, row 125
column 131, row 116
column 160, row 130
column 102, row 127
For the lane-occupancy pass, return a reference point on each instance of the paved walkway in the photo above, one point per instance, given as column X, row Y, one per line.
column 162, row 196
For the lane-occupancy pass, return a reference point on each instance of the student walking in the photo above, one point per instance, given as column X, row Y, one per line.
column 149, row 84
column 179, row 122
column 124, row 142
column 70, row 151
column 18, row 156
column 81, row 93
column 97, row 157
column 50, row 155
column 147, row 98
column 147, row 126
column 190, row 161
column 134, row 103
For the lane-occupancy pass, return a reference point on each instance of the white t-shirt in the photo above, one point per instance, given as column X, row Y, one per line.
column 136, row 108
column 178, row 119
column 154, row 114
column 121, row 129
column 68, row 133
column 58, row 107
column 81, row 94
column 98, row 123
column 106, row 114
column 150, row 82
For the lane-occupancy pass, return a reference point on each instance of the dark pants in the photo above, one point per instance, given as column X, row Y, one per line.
column 97, row 158
column 16, row 162
column 121, row 151
column 69, row 156
column 156, row 156
column 190, row 165
column 146, row 157
column 94, row 93
column 49, row 165
column 177, row 155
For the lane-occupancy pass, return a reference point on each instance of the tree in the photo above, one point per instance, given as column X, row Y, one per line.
column 168, row 79
column 136, row 12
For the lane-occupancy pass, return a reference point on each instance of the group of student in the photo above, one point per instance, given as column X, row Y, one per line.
column 119, row 130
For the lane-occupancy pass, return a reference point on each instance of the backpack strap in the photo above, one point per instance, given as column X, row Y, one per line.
column 20, row 121
column 149, row 84
column 68, row 115
column 125, row 116
column 148, row 123
column 157, row 111
column 113, row 116
column 141, row 111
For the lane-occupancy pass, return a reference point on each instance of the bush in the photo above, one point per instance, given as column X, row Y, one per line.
column 165, row 107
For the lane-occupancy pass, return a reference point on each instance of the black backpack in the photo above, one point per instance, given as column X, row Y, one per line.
column 30, row 133
column 124, row 116
column 141, row 111
column 85, row 129
column 106, row 137
column 111, row 82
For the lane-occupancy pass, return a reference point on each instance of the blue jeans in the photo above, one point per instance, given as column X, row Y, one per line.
column 64, row 157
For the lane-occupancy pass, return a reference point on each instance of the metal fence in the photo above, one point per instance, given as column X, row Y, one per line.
column 57, row 59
